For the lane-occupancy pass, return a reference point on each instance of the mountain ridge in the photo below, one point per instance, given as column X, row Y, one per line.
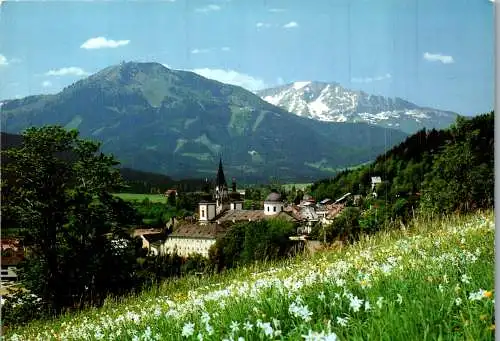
column 330, row 102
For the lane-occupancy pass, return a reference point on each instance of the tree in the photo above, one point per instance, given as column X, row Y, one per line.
column 171, row 200
column 458, row 180
column 56, row 189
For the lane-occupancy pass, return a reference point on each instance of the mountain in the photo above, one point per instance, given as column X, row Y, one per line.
column 331, row 102
column 136, row 181
column 178, row 123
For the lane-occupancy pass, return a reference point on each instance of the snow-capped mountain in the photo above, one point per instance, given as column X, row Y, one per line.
column 331, row 102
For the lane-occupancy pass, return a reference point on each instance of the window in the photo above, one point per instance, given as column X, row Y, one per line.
column 267, row 208
column 281, row 208
column 274, row 208
column 203, row 213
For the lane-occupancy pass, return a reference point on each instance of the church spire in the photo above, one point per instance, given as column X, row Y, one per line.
column 221, row 180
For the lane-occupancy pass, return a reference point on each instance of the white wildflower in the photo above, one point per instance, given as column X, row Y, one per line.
column 319, row 336
column 205, row 317
column 188, row 329
column 301, row 311
column 235, row 327
column 380, row 300
column 476, row 296
column 266, row 328
column 355, row 303
column 458, row 301
column 342, row 321
column 465, row 279
column 321, row 296
column 209, row 329
column 247, row 326
column 400, row 299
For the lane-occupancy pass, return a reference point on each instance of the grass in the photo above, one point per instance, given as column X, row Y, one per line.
column 298, row 186
column 141, row 197
column 431, row 281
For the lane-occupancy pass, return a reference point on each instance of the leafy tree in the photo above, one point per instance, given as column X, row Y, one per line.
column 345, row 226
column 458, row 181
column 247, row 242
column 57, row 189
column 171, row 199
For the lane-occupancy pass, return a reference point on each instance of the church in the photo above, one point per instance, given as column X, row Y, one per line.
column 216, row 215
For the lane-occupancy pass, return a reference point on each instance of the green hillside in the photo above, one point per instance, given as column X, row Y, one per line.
column 443, row 170
column 433, row 281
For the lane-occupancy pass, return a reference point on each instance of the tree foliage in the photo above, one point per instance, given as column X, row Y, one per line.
column 245, row 243
column 56, row 189
column 453, row 168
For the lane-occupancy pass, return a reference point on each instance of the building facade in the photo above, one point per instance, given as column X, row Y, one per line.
column 225, row 208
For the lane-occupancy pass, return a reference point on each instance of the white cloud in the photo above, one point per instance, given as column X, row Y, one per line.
column 198, row 51
column 262, row 25
column 232, row 77
column 46, row 84
column 291, row 24
column 437, row 57
column 3, row 60
column 276, row 10
column 208, row 8
column 371, row 79
column 226, row 49
column 67, row 71
column 102, row 42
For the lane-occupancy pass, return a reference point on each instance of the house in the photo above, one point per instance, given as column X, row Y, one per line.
column 193, row 239
column 152, row 239
column 342, row 198
column 217, row 214
column 325, row 201
column 375, row 181
column 171, row 191
column 12, row 255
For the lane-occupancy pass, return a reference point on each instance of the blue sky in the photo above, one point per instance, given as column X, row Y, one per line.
column 433, row 53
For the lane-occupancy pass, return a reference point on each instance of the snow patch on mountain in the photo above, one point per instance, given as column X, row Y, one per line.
column 300, row 85
column 330, row 102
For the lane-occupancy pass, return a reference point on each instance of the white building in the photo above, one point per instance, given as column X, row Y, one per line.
column 192, row 239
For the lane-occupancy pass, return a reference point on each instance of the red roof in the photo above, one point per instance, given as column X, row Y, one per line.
column 12, row 251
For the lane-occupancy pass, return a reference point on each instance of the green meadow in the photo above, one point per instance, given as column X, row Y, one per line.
column 432, row 280
column 141, row 197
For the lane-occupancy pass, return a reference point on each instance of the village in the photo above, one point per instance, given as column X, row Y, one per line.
column 222, row 208
column 225, row 208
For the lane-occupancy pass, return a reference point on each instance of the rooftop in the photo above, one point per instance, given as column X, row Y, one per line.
column 274, row 197
column 251, row 215
column 143, row 232
column 211, row 231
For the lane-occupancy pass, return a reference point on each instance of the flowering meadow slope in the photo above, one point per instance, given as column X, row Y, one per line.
column 432, row 281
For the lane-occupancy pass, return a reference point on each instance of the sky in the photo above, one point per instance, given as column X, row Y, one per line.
column 437, row 54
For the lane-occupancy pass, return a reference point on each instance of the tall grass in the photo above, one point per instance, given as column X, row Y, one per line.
column 433, row 280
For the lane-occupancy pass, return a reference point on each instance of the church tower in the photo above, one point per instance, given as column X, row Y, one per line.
column 221, row 192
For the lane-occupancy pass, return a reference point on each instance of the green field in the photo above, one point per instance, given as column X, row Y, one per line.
column 141, row 197
column 297, row 186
